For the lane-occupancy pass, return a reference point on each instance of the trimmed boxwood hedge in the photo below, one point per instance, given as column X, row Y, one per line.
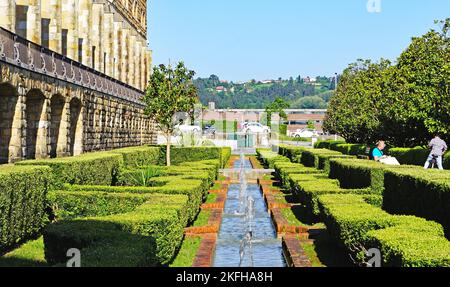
column 23, row 192
column 191, row 154
column 416, row 156
column 146, row 236
column 195, row 189
column 293, row 153
column 404, row 241
column 359, row 173
column 326, row 144
column 308, row 188
column 100, row 168
column 350, row 149
column 424, row 193
column 269, row 158
column 310, row 157
column 134, row 157
column 72, row 204
column 283, row 171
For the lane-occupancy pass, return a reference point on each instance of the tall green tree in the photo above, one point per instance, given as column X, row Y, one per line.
column 277, row 106
column 170, row 91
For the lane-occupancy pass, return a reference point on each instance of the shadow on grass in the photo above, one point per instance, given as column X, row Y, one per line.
column 327, row 250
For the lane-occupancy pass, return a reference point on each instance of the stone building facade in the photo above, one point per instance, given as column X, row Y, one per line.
column 72, row 73
column 106, row 35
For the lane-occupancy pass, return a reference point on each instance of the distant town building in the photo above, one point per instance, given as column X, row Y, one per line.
column 221, row 89
column 211, row 106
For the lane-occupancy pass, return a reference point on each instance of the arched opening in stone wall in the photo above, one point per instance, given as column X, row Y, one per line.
column 36, row 125
column 8, row 102
column 57, row 108
column 76, row 127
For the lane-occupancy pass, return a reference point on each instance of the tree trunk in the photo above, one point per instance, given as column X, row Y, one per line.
column 169, row 136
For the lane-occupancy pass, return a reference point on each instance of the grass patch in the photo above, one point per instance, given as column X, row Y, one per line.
column 212, row 198
column 188, row 250
column 30, row 254
column 202, row 218
column 294, row 219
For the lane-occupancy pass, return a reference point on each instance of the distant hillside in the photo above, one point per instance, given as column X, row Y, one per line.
column 299, row 93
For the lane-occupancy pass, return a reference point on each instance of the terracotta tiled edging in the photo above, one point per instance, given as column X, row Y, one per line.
column 295, row 255
column 205, row 253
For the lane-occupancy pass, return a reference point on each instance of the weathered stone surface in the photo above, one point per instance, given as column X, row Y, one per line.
column 43, row 117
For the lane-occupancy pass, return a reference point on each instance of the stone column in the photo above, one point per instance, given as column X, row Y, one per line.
column 137, row 65
column 55, row 26
column 96, row 33
column 143, row 67
column 62, row 146
column 17, row 143
column 33, row 19
column 8, row 12
column 116, row 58
column 107, row 36
column 43, row 141
column 69, row 10
column 124, row 56
column 131, row 55
column 84, row 29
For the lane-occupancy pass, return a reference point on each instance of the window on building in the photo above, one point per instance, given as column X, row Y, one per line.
column 21, row 20
column 80, row 50
column 64, row 41
column 93, row 57
column 45, row 32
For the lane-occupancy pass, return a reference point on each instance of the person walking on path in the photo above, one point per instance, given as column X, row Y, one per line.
column 438, row 148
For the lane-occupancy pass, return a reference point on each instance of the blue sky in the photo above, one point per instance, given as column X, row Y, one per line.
column 266, row 39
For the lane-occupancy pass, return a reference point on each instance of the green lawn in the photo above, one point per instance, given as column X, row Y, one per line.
column 212, row 198
column 30, row 254
column 202, row 218
column 186, row 256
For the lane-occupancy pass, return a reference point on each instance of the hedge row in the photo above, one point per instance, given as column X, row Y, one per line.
column 23, row 192
column 308, row 188
column 404, row 241
column 190, row 154
column 358, row 173
column 326, row 144
column 416, row 156
column 147, row 236
column 319, row 158
column 284, row 170
column 424, row 193
column 269, row 157
column 140, row 156
column 91, row 168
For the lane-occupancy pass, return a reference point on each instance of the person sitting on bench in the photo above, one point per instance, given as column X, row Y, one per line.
column 377, row 153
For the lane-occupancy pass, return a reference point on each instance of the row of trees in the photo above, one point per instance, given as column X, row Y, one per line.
column 404, row 103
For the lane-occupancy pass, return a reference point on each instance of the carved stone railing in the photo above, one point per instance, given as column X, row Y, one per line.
column 28, row 55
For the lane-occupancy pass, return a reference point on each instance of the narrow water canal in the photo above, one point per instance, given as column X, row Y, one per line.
column 247, row 237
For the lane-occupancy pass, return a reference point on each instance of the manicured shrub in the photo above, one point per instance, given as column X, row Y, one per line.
column 403, row 240
column 310, row 157
column 191, row 154
column 292, row 152
column 269, row 158
column 309, row 189
column 147, row 236
column 326, row 144
column 72, row 204
column 100, row 168
column 424, row 193
column 195, row 189
column 358, row 173
column 351, row 149
column 284, row 170
column 23, row 191
column 134, row 157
